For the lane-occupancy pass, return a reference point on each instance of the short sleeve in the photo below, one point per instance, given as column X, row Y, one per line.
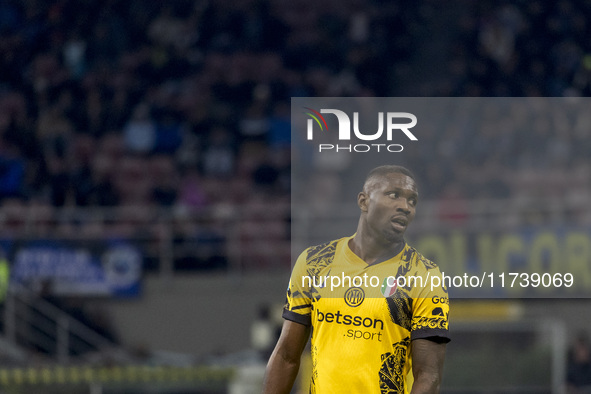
column 298, row 302
column 431, row 309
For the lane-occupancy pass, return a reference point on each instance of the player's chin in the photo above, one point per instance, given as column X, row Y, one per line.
column 397, row 228
column 394, row 236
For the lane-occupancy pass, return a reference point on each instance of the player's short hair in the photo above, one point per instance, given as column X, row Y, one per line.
column 388, row 169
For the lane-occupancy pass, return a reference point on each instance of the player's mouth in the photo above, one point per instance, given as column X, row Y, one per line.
column 399, row 222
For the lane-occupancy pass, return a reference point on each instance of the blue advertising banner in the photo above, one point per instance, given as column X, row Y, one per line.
column 78, row 268
column 531, row 262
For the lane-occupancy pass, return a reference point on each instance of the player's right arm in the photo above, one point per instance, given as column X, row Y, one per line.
column 284, row 364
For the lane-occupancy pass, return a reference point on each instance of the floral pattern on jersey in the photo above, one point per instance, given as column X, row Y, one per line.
column 314, row 376
column 391, row 372
column 320, row 257
column 400, row 308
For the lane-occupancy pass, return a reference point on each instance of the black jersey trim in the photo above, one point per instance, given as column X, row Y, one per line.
column 306, row 320
column 426, row 333
column 301, row 307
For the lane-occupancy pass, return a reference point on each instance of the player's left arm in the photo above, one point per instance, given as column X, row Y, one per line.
column 427, row 365
column 429, row 334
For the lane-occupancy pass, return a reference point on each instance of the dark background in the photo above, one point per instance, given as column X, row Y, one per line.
column 167, row 124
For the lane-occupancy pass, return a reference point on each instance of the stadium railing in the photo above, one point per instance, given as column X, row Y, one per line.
column 258, row 237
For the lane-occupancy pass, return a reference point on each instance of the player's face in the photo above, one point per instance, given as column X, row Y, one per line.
column 389, row 203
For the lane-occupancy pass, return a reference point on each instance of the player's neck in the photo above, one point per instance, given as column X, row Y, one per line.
column 370, row 250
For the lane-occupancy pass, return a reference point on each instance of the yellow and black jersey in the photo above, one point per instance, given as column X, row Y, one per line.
column 364, row 317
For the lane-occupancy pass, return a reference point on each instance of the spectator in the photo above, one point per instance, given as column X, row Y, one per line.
column 579, row 365
column 219, row 156
column 140, row 131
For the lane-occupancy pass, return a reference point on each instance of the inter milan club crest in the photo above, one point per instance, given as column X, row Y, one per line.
column 389, row 286
column 354, row 296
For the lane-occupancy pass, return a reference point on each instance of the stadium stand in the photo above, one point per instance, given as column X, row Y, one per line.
column 167, row 123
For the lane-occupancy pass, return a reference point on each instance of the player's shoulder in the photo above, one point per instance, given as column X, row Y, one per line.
column 413, row 256
column 322, row 252
column 322, row 249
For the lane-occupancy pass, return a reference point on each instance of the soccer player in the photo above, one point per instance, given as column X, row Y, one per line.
column 377, row 324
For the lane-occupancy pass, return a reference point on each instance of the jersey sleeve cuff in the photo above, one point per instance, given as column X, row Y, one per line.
column 441, row 334
column 306, row 320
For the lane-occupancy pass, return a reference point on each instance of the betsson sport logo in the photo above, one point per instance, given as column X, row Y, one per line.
column 392, row 128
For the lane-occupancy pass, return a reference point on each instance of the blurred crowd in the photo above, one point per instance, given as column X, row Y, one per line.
column 185, row 104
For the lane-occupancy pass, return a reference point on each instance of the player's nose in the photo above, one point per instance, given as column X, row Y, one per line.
column 404, row 206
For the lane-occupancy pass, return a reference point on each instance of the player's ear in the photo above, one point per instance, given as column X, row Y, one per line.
column 362, row 200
